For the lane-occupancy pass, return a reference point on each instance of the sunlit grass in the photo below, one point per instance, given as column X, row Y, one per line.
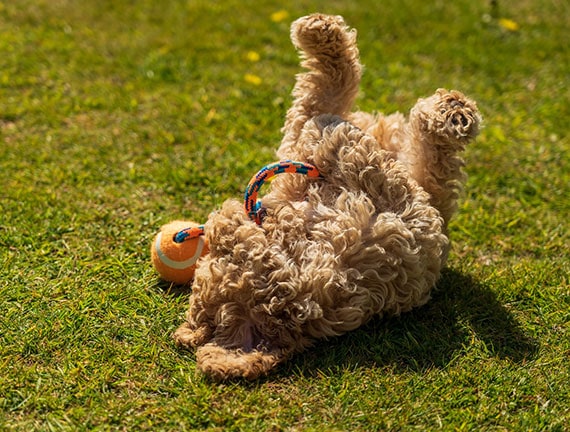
column 117, row 117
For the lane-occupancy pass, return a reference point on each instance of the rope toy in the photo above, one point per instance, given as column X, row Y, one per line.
column 179, row 244
column 252, row 205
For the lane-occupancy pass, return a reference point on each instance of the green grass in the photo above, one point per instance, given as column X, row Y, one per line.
column 119, row 116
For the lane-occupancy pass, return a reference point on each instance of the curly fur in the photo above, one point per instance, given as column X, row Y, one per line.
column 368, row 239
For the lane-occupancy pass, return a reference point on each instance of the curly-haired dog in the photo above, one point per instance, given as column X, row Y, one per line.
column 367, row 238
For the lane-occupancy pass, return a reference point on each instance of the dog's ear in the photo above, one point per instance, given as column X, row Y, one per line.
column 221, row 363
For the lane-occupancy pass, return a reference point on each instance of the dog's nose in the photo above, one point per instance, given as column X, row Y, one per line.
column 456, row 104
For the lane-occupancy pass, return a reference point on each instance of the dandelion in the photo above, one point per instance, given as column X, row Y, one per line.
column 279, row 16
column 508, row 24
column 253, row 56
column 252, row 79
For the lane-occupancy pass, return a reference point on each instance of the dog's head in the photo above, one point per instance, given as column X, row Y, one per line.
column 448, row 115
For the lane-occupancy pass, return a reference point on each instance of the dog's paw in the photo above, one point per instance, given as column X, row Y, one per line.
column 189, row 338
column 449, row 115
column 320, row 34
column 223, row 364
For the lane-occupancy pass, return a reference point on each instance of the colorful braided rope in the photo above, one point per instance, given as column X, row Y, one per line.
column 188, row 234
column 252, row 206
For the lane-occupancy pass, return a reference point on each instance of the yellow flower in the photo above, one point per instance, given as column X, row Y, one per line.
column 279, row 16
column 252, row 79
column 252, row 56
column 508, row 24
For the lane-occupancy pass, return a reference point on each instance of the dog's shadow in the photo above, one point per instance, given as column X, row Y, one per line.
column 462, row 312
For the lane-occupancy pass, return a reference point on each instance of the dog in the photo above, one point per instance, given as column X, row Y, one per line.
column 367, row 238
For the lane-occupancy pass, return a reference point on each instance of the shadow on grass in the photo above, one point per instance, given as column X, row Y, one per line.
column 170, row 289
column 461, row 313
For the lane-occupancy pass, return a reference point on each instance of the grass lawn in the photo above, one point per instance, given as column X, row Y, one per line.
column 118, row 116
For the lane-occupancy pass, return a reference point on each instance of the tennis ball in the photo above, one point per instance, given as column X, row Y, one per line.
column 176, row 249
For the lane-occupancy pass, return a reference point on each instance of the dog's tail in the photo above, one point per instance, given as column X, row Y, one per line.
column 329, row 52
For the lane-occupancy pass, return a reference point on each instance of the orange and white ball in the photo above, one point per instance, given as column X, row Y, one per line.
column 176, row 262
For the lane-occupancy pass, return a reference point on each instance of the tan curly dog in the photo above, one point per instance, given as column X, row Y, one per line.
column 368, row 238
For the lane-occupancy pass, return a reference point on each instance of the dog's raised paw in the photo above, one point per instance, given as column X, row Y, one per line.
column 313, row 32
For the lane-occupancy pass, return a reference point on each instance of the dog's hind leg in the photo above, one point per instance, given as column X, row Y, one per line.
column 329, row 52
column 221, row 363
column 188, row 337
